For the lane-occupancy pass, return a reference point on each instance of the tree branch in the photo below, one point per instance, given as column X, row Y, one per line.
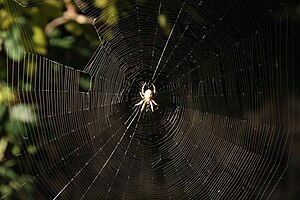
column 69, row 15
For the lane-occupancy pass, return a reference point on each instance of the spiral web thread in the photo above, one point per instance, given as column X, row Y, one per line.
column 223, row 129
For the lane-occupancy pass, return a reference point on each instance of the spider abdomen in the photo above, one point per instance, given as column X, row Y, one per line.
column 148, row 95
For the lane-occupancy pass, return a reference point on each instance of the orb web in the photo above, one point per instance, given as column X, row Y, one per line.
column 222, row 129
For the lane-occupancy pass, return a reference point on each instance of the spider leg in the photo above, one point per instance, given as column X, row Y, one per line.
column 154, row 102
column 143, row 106
column 143, row 88
column 154, row 89
column 142, row 95
column 139, row 103
column 151, row 106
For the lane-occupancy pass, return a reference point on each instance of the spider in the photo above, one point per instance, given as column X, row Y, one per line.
column 147, row 97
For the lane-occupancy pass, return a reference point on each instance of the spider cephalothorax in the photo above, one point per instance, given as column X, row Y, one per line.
column 147, row 97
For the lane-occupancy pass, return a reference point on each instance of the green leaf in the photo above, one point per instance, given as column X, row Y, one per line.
column 55, row 33
column 10, row 173
column 3, row 108
column 39, row 40
column 6, row 19
column 5, row 189
column 13, row 44
column 4, row 34
column 84, row 83
column 164, row 23
column 3, row 146
column 32, row 149
column 13, row 50
column 2, row 171
column 74, row 28
column 9, row 163
column 15, row 129
column 16, row 150
column 101, row 3
column 23, row 113
column 65, row 43
column 6, row 94
column 28, row 186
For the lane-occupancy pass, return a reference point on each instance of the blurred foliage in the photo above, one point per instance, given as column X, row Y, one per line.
column 23, row 30
column 10, row 179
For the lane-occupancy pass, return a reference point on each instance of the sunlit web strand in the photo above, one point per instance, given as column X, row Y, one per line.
column 121, row 164
column 111, row 48
column 48, row 65
column 112, row 153
column 170, row 35
column 155, row 34
column 87, row 142
column 177, row 44
column 220, row 125
column 102, row 55
column 91, row 160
